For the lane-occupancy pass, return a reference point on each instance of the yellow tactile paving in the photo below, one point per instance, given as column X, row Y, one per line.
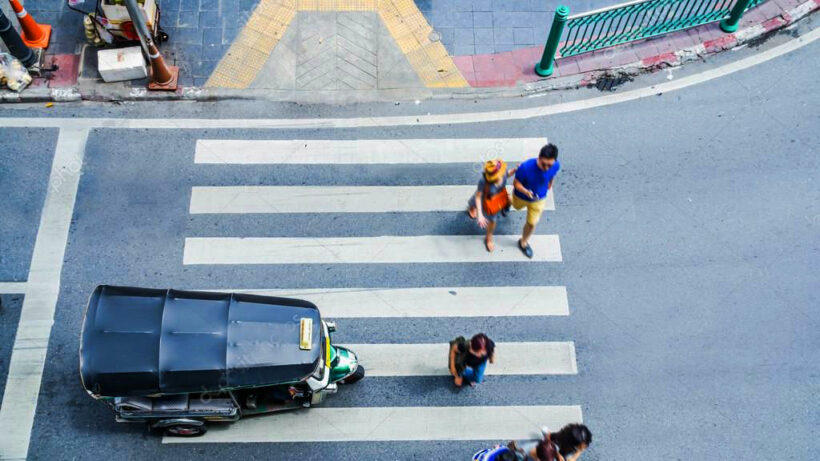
column 338, row 5
column 248, row 53
column 357, row 5
column 411, row 31
column 271, row 18
column 307, row 5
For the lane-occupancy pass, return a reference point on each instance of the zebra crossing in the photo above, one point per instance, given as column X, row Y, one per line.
column 362, row 250
column 515, row 358
column 400, row 423
column 392, row 424
column 431, row 302
column 363, row 151
column 331, row 199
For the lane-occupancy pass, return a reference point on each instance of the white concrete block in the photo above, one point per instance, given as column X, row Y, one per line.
column 120, row 64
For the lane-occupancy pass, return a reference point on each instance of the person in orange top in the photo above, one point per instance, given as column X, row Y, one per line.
column 491, row 193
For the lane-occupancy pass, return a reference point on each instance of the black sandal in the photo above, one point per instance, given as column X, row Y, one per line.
column 526, row 250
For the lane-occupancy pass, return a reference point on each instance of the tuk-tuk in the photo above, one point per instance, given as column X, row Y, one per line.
column 176, row 359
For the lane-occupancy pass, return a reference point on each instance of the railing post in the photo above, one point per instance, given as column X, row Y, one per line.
column 545, row 67
column 730, row 24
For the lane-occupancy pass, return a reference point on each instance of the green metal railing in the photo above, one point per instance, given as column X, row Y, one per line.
column 636, row 20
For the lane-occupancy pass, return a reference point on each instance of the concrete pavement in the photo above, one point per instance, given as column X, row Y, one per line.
column 339, row 52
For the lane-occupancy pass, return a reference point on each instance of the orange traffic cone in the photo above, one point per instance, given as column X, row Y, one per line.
column 34, row 35
column 162, row 77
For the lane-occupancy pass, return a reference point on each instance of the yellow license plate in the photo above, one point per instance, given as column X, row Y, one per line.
column 327, row 351
column 306, row 334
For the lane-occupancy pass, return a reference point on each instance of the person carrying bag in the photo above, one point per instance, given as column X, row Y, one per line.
column 492, row 194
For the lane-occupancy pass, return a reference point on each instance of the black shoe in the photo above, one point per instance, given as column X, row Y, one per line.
column 526, row 250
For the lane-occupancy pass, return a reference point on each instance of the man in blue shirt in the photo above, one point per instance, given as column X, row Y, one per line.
column 533, row 180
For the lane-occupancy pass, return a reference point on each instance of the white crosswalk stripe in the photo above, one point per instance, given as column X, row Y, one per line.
column 12, row 287
column 518, row 358
column 324, row 424
column 333, row 199
column 365, row 151
column 431, row 302
column 365, row 250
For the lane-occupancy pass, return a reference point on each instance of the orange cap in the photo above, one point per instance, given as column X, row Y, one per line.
column 494, row 169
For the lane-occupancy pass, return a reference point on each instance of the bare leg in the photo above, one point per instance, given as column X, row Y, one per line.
column 489, row 238
column 526, row 234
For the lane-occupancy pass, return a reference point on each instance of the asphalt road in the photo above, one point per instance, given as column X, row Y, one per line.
column 23, row 181
column 689, row 232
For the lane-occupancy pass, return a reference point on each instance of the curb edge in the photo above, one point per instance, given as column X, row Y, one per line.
column 573, row 81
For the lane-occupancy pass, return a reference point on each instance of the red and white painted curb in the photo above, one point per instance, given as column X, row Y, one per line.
column 513, row 69
column 725, row 42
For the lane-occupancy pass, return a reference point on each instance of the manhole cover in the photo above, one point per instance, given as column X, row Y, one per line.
column 434, row 36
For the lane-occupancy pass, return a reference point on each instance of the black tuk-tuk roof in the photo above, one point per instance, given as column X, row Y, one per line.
column 140, row 341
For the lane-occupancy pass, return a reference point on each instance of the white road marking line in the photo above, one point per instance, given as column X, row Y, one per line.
column 365, row 151
column 365, row 250
column 12, row 287
column 419, row 120
column 515, row 358
column 392, row 423
column 43, row 287
column 431, row 302
column 333, row 199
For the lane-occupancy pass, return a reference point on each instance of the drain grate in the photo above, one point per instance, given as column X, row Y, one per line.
column 610, row 82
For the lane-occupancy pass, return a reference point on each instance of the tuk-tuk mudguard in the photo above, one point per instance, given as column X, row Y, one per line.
column 345, row 364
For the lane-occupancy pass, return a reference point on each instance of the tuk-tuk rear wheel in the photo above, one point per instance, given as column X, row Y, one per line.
column 185, row 430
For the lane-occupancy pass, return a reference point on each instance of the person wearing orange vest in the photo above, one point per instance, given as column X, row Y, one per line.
column 491, row 193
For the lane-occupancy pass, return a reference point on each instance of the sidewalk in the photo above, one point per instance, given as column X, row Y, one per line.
column 516, row 67
column 339, row 51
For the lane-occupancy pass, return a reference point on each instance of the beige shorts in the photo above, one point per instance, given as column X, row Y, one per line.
column 534, row 209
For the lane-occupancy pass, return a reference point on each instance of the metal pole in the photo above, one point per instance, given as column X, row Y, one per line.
column 545, row 67
column 162, row 76
column 139, row 23
column 14, row 43
column 730, row 24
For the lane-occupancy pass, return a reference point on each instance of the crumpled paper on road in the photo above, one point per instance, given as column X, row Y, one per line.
column 13, row 73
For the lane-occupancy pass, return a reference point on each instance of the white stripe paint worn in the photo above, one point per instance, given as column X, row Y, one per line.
column 518, row 358
column 392, row 423
column 333, row 199
column 431, row 302
column 43, row 286
column 12, row 287
column 365, row 250
column 365, row 151
column 417, row 120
